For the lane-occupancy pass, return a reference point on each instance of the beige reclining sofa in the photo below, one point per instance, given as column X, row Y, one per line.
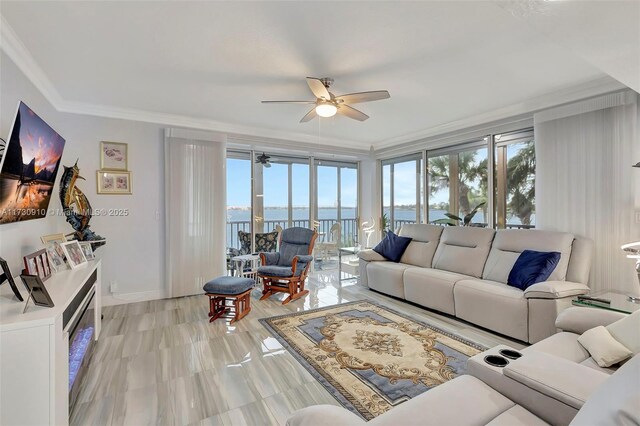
column 554, row 382
column 463, row 271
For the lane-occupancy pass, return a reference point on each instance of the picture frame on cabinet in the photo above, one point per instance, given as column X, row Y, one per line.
column 56, row 257
column 87, row 249
column 73, row 253
column 37, row 291
column 51, row 238
column 5, row 274
column 38, row 264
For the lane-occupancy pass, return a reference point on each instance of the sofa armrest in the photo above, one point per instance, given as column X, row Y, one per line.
column 578, row 319
column 370, row 256
column 323, row 415
column 555, row 290
column 558, row 378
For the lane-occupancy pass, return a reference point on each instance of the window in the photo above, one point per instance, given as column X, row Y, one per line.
column 458, row 182
column 402, row 191
column 515, row 180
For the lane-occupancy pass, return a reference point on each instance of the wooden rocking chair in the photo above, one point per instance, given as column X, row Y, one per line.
column 285, row 271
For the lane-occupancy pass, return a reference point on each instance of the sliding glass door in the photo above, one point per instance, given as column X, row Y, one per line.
column 337, row 200
column 281, row 192
column 239, row 203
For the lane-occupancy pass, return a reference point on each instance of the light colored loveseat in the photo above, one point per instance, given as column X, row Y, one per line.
column 554, row 382
column 463, row 271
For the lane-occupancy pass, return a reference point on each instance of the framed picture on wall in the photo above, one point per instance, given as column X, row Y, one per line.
column 114, row 156
column 114, row 183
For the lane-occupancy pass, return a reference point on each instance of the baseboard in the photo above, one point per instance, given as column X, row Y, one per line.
column 124, row 298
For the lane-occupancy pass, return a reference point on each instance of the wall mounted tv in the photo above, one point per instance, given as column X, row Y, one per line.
column 29, row 167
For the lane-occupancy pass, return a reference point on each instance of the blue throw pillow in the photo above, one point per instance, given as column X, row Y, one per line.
column 532, row 267
column 392, row 246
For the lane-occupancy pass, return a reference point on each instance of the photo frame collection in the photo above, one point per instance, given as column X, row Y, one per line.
column 114, row 177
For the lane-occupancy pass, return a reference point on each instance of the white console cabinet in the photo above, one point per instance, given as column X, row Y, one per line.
column 34, row 346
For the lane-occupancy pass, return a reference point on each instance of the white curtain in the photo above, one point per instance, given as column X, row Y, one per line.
column 195, row 182
column 585, row 183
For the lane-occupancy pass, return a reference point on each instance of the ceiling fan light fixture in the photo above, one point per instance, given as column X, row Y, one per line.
column 326, row 109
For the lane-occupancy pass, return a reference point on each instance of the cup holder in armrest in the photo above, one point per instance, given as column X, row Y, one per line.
column 510, row 353
column 496, row 360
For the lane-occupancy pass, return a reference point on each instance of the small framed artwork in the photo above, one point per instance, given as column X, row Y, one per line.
column 6, row 275
column 87, row 250
column 114, row 182
column 37, row 290
column 56, row 257
column 114, row 156
column 51, row 238
column 33, row 263
column 73, row 253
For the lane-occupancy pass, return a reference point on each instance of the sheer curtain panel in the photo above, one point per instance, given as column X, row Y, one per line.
column 585, row 183
column 195, row 174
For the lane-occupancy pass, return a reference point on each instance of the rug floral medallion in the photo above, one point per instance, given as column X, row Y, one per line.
column 369, row 357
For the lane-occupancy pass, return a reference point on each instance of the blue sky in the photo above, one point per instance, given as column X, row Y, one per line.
column 276, row 185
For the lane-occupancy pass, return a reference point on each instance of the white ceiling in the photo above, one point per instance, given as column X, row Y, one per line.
column 441, row 61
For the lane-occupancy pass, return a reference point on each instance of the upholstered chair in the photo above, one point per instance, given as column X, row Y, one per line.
column 264, row 242
column 286, row 270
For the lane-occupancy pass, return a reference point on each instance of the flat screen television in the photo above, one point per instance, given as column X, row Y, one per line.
column 29, row 167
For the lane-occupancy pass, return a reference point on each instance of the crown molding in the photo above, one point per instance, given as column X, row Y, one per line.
column 598, row 86
column 175, row 120
column 11, row 44
column 18, row 53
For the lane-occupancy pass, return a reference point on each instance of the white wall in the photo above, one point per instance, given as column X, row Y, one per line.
column 134, row 251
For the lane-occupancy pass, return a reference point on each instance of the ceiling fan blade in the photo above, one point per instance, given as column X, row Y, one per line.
column 355, row 98
column 309, row 116
column 318, row 89
column 352, row 113
column 288, row 102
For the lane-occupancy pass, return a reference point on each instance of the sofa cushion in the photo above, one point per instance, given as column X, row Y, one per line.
column 509, row 243
column 392, row 246
column 603, row 347
column 463, row 250
column 493, row 305
column 627, row 331
column 423, row 244
column 431, row 288
column 516, row 416
column 616, row 401
column 564, row 345
column 386, row 277
column 462, row 401
column 591, row 363
column 532, row 267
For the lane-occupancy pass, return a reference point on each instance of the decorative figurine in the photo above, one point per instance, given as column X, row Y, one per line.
column 79, row 216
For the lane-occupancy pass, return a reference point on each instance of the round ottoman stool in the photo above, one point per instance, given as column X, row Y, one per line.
column 236, row 291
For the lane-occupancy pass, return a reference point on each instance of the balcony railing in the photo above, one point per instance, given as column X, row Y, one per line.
column 349, row 229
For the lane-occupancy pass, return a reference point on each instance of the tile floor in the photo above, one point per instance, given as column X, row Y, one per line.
column 162, row 362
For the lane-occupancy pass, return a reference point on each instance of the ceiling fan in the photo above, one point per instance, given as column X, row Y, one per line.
column 264, row 160
column 328, row 105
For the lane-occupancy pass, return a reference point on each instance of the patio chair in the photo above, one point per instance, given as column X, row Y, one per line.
column 264, row 242
column 285, row 271
column 332, row 243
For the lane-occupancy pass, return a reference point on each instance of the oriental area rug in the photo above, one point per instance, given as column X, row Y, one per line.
column 369, row 357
